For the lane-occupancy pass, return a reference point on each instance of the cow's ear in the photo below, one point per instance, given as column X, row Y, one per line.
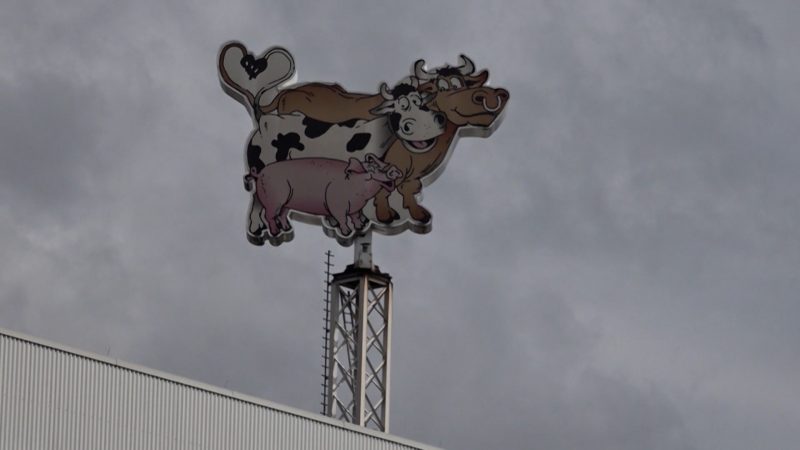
column 384, row 108
column 426, row 97
column 429, row 87
column 354, row 166
column 478, row 80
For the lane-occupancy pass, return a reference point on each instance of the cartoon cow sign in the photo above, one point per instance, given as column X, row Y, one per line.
column 347, row 161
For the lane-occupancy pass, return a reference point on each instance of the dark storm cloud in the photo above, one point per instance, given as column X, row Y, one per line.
column 635, row 290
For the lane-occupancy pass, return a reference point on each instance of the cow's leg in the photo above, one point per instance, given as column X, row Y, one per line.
column 409, row 190
column 332, row 222
column 255, row 223
column 383, row 211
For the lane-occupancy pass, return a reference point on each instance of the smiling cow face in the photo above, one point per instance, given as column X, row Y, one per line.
column 409, row 117
column 478, row 107
column 461, row 95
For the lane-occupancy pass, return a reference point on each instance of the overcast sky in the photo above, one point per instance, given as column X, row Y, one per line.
column 617, row 267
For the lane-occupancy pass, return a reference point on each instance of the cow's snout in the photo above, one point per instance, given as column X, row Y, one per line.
column 502, row 94
column 490, row 99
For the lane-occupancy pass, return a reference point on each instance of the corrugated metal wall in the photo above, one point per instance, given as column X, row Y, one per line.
column 56, row 398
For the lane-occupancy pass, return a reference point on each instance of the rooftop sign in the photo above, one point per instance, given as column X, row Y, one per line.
column 350, row 162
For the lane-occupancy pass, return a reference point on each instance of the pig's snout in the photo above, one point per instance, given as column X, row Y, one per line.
column 394, row 173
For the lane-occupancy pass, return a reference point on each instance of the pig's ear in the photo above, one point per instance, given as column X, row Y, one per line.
column 354, row 166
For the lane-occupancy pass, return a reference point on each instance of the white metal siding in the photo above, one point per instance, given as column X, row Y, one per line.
column 55, row 398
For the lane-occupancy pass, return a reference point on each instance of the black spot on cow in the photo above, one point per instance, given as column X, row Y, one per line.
column 358, row 142
column 285, row 142
column 315, row 128
column 402, row 89
column 253, row 158
column 448, row 71
column 253, row 66
column 348, row 123
column 394, row 121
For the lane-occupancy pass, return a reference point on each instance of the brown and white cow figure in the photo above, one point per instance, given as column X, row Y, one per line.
column 411, row 127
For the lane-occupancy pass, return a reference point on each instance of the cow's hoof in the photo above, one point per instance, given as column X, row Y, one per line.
column 259, row 231
column 420, row 215
column 255, row 240
column 387, row 216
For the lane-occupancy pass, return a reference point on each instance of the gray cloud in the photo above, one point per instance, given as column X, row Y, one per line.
column 636, row 289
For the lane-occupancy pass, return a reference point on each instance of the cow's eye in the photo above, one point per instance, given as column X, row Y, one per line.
column 443, row 85
column 403, row 103
column 457, row 84
column 416, row 101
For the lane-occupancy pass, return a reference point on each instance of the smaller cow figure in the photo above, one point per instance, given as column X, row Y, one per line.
column 414, row 124
column 336, row 190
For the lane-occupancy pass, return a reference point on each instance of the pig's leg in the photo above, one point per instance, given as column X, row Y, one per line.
column 409, row 190
column 359, row 220
column 274, row 230
column 341, row 217
column 384, row 212
column 338, row 209
column 283, row 219
column 344, row 227
column 274, row 198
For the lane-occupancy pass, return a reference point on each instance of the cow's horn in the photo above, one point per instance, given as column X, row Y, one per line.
column 421, row 73
column 385, row 92
column 467, row 67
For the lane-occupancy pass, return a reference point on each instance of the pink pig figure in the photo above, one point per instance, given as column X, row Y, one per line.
column 323, row 187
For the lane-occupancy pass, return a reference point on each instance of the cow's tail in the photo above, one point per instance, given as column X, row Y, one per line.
column 226, row 77
column 244, row 84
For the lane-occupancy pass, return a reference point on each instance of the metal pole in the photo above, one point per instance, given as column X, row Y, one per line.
column 326, row 334
column 387, row 339
column 357, row 385
column 359, row 393
column 362, row 246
